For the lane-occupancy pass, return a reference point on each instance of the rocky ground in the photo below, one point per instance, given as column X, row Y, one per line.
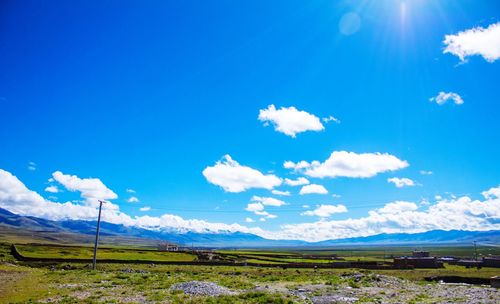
column 359, row 288
column 198, row 288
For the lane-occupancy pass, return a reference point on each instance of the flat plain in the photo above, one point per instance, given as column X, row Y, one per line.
column 46, row 282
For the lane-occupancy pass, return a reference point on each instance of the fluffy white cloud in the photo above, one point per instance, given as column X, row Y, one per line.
column 17, row 198
column 282, row 193
column 249, row 220
column 443, row 97
column 297, row 182
column 349, row 164
column 401, row 182
column 313, row 189
column 476, row 41
column 133, row 199
column 52, row 189
column 91, row 189
column 233, row 177
column 326, row 210
column 397, row 207
column 492, row 193
column 296, row 166
column 462, row 213
column 170, row 222
column 402, row 217
column 330, row 118
column 128, row 190
column 268, row 201
column 146, row 208
column 290, row 121
column 253, row 207
column 258, row 209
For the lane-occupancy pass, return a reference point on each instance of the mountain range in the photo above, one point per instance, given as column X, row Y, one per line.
column 79, row 231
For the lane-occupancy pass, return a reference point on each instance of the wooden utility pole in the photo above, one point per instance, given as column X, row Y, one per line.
column 475, row 250
column 97, row 235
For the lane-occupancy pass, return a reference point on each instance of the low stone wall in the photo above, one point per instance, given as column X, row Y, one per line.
column 362, row 265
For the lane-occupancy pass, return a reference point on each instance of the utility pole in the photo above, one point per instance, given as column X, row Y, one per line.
column 475, row 250
column 97, row 235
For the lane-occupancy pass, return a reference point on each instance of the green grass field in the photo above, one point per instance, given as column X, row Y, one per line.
column 75, row 283
column 73, row 252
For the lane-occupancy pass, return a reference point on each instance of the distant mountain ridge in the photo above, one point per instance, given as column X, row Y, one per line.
column 12, row 221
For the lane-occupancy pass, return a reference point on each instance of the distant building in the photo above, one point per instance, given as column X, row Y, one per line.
column 469, row 263
column 418, row 259
column 420, row 254
column 164, row 246
column 491, row 262
column 417, row 262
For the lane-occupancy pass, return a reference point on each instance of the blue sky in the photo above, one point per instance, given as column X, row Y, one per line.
column 146, row 96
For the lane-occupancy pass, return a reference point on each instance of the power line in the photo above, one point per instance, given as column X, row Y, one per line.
column 366, row 204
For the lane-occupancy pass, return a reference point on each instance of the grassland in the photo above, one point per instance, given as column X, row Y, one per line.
column 77, row 252
column 76, row 283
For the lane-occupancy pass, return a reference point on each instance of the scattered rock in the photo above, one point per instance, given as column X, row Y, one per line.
column 199, row 288
column 333, row 299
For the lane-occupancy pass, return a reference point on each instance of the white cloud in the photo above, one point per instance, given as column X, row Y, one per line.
column 350, row 164
column 296, row 166
column 258, row 209
column 297, row 182
column 313, row 189
column 266, row 214
column 476, row 41
column 282, row 193
column 330, row 118
column 249, row 220
column 52, row 189
column 233, row 177
column 443, row 97
column 170, row 222
column 336, row 195
column 253, row 207
column 290, row 121
column 146, row 208
column 397, row 207
column 401, row 182
column 403, row 217
column 31, row 166
column 91, row 189
column 492, row 193
column 326, row 210
column 306, row 206
column 424, row 172
column 128, row 190
column 462, row 213
column 268, row 201
column 15, row 197
column 133, row 199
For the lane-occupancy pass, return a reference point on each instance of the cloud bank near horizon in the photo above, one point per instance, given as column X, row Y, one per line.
column 461, row 213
